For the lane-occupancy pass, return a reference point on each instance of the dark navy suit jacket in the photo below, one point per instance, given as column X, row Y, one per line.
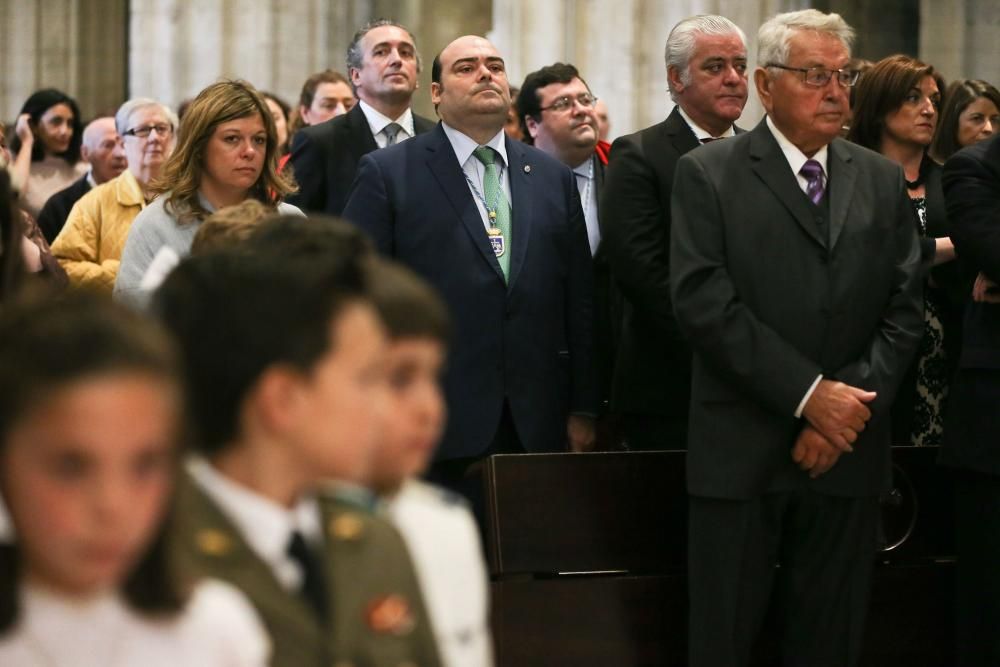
column 529, row 341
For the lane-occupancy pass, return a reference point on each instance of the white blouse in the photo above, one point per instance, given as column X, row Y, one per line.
column 218, row 628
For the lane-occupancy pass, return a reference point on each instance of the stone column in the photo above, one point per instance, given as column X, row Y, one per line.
column 77, row 46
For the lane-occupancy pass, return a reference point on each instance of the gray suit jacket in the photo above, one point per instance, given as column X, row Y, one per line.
column 770, row 299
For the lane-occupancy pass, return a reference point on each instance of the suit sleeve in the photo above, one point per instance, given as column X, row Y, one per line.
column 580, row 309
column 368, row 205
column 972, row 197
column 77, row 248
column 52, row 218
column 308, row 164
column 635, row 227
column 722, row 329
column 885, row 360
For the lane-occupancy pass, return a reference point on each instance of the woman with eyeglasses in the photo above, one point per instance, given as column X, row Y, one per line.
column 46, row 144
column 227, row 152
column 92, row 240
column 896, row 113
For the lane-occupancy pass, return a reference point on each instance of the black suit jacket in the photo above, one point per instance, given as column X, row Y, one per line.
column 972, row 194
column 528, row 342
column 769, row 301
column 53, row 215
column 652, row 373
column 324, row 159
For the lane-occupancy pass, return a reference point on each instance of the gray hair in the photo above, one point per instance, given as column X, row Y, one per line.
column 354, row 54
column 126, row 110
column 681, row 41
column 775, row 34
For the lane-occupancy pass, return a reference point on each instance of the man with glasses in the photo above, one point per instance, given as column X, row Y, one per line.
column 559, row 116
column 101, row 148
column 90, row 245
column 706, row 61
column 795, row 274
column 496, row 227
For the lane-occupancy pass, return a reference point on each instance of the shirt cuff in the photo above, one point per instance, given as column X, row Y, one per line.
column 805, row 399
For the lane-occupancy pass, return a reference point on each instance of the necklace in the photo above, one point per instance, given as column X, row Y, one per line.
column 921, row 176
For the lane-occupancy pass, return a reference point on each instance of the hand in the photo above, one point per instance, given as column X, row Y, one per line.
column 838, row 411
column 22, row 128
column 985, row 290
column 814, row 453
column 581, row 433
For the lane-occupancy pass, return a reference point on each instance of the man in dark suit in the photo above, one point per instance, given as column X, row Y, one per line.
column 559, row 116
column 383, row 64
column 972, row 435
column 496, row 226
column 101, row 147
column 706, row 70
column 795, row 274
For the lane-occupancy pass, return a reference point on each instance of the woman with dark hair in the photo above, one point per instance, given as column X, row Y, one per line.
column 324, row 95
column 46, row 143
column 279, row 112
column 89, row 444
column 971, row 113
column 896, row 114
column 226, row 152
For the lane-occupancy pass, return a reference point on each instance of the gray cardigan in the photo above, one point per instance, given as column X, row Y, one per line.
column 153, row 230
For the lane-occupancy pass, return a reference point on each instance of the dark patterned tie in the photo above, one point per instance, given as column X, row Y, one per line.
column 815, row 188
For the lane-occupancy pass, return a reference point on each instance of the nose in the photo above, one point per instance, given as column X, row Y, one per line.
column 988, row 127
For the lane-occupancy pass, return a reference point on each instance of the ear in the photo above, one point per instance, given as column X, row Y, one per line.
column 435, row 93
column 532, row 125
column 303, row 114
column 85, row 152
column 275, row 401
column 763, row 82
column 674, row 79
column 355, row 74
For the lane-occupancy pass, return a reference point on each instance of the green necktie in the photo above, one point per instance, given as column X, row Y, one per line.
column 496, row 202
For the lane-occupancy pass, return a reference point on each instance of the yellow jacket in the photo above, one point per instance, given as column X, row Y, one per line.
column 90, row 245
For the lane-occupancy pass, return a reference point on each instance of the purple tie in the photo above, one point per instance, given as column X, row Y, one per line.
column 813, row 172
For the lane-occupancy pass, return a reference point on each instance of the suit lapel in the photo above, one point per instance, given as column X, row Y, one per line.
column 771, row 166
column 442, row 163
column 361, row 140
column 521, row 194
column 679, row 133
column 843, row 176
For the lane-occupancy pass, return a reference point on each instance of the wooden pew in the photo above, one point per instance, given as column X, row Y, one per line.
column 588, row 555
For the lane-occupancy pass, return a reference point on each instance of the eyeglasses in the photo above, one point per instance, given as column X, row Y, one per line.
column 820, row 76
column 161, row 129
column 585, row 100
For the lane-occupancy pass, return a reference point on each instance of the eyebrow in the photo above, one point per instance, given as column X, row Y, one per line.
column 400, row 42
column 491, row 59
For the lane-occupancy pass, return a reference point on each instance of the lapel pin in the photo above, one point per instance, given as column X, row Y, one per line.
column 213, row 542
column 390, row 614
column 527, row 168
column 346, row 527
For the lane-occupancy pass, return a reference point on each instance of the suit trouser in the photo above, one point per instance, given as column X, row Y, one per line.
column 809, row 554
column 977, row 532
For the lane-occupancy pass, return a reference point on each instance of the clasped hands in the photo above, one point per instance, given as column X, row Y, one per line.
column 835, row 413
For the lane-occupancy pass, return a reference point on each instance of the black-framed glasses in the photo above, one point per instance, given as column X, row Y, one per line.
column 585, row 100
column 162, row 129
column 820, row 76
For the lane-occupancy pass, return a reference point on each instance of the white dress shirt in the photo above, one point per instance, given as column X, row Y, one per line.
column 266, row 526
column 217, row 627
column 377, row 122
column 475, row 170
column 586, row 183
column 701, row 133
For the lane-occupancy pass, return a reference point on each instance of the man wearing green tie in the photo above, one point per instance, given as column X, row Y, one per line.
column 497, row 227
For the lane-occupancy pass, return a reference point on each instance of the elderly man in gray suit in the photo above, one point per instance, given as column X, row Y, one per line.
column 795, row 275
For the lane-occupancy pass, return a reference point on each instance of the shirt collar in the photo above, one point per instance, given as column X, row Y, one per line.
column 90, row 178
column 700, row 132
column 265, row 525
column 377, row 121
column 585, row 168
column 796, row 158
column 463, row 145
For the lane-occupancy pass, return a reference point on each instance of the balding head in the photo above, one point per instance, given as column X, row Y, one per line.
column 102, row 148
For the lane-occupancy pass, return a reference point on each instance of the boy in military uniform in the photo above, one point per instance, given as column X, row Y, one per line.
column 283, row 354
column 437, row 525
